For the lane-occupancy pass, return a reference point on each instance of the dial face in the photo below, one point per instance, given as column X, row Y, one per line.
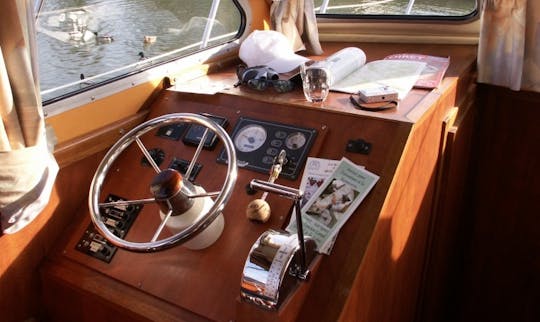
column 250, row 138
column 295, row 140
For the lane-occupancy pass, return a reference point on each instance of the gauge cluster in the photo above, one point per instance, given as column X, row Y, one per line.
column 258, row 142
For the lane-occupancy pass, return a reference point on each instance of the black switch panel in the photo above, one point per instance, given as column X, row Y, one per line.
column 195, row 132
column 182, row 165
column 172, row 131
column 118, row 219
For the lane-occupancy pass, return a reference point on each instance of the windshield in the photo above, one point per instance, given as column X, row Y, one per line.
column 432, row 8
column 82, row 44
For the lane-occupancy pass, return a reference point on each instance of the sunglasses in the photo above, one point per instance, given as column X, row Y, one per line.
column 262, row 77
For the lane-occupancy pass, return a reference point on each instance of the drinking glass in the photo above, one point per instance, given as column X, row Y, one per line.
column 316, row 81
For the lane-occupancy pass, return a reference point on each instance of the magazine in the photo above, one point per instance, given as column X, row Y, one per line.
column 351, row 73
column 334, row 199
column 432, row 74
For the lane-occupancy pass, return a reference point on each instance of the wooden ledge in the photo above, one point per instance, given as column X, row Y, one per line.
column 94, row 142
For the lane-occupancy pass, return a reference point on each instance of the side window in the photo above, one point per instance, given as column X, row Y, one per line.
column 419, row 8
column 84, row 44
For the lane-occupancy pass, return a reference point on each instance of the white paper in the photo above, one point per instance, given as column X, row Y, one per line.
column 351, row 73
column 208, row 88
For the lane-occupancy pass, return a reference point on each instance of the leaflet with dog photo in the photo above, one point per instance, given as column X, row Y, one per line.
column 334, row 202
column 315, row 172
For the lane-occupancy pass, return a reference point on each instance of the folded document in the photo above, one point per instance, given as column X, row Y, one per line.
column 351, row 73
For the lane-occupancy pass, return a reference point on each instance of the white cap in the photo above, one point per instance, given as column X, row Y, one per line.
column 270, row 48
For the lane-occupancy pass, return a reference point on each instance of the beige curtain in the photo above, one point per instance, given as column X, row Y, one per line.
column 296, row 19
column 509, row 50
column 27, row 167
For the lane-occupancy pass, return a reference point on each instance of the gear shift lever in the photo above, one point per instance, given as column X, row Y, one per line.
column 259, row 209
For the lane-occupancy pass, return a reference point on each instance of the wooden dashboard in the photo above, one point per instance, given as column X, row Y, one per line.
column 379, row 258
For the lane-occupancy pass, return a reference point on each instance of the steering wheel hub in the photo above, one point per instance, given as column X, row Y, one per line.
column 172, row 192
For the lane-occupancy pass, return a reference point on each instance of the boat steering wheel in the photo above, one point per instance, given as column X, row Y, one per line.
column 172, row 192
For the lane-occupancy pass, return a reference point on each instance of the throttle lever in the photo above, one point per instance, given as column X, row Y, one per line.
column 259, row 209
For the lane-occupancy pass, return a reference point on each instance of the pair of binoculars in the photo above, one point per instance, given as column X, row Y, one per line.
column 261, row 77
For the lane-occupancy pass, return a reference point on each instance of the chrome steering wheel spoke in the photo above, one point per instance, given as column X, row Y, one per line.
column 126, row 202
column 149, row 158
column 197, row 153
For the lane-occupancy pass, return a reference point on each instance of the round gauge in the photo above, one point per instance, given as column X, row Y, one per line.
column 295, row 140
column 250, row 138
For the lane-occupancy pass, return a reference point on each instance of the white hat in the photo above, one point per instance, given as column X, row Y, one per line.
column 270, row 48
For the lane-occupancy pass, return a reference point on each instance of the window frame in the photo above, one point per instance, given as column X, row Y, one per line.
column 404, row 17
column 169, row 68
column 156, row 73
column 401, row 28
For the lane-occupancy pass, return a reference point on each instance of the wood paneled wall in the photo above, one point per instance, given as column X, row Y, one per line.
column 446, row 240
column 502, row 261
column 21, row 253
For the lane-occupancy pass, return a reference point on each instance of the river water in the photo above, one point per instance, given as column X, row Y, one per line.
column 67, row 53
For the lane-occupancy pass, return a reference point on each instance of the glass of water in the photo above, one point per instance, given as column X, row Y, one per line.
column 316, row 80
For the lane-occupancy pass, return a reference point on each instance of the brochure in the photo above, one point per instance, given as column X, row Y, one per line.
column 432, row 74
column 331, row 201
column 315, row 172
column 351, row 73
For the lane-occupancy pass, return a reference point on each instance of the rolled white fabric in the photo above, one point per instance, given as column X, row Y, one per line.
column 26, row 180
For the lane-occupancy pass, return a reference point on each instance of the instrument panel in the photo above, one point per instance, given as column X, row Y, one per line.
column 258, row 142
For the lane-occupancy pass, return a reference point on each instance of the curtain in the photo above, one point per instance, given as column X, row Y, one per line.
column 297, row 21
column 509, row 49
column 27, row 166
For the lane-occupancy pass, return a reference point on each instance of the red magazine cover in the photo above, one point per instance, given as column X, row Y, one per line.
column 432, row 74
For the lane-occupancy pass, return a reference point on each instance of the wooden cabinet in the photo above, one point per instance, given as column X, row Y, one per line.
column 376, row 269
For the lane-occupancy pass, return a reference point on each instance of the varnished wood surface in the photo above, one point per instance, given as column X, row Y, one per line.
column 207, row 282
column 390, row 272
column 394, row 215
column 23, row 252
column 501, row 262
column 446, row 240
column 82, row 147
column 97, row 297
column 410, row 109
